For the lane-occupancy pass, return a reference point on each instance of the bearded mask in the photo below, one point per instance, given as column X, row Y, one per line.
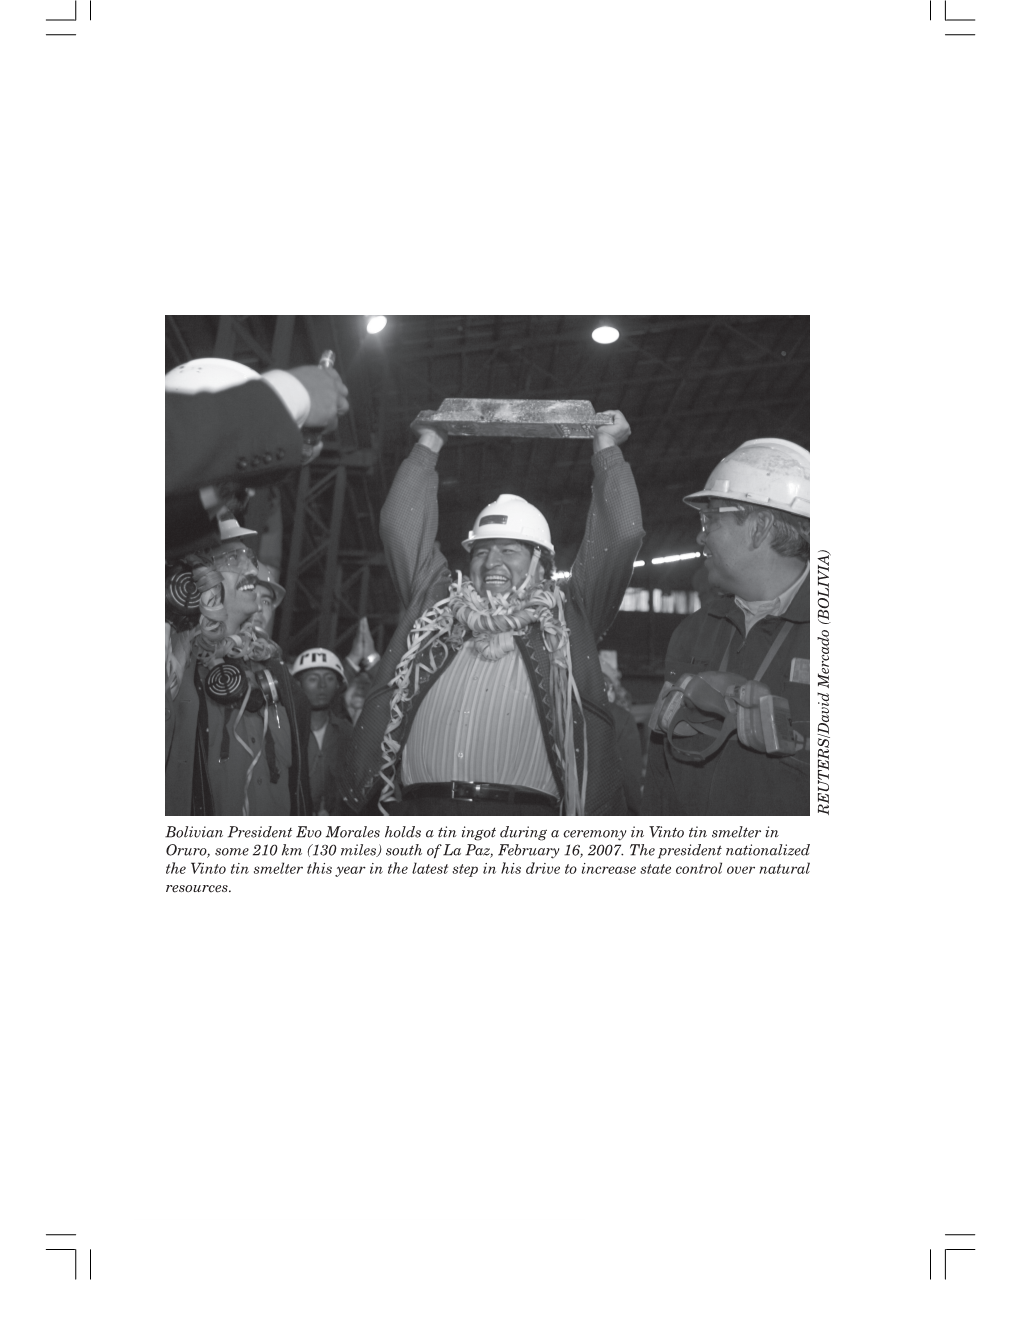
column 238, row 570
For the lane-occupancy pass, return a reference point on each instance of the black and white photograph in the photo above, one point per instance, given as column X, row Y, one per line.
column 488, row 565
column 498, row 347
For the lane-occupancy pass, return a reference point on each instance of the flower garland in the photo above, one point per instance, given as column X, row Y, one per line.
column 489, row 627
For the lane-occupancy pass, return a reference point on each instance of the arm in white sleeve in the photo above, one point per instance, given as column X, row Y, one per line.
column 293, row 395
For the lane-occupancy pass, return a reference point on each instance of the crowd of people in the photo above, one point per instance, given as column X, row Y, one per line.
column 492, row 697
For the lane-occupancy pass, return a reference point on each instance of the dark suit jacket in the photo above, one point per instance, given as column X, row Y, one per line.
column 244, row 434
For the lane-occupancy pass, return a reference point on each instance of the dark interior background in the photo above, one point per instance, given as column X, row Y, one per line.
column 692, row 388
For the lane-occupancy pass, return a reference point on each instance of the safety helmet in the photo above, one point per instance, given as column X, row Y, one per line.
column 510, row 519
column 775, row 473
column 318, row 658
column 275, row 590
column 229, row 528
column 207, row 376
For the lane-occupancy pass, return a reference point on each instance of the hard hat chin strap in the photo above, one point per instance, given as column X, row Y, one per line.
column 525, row 586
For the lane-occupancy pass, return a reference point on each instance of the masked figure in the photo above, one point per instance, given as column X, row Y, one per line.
column 231, row 745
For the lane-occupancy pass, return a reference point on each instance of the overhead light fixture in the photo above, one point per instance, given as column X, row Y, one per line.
column 605, row 334
column 674, row 559
column 375, row 324
column 639, row 563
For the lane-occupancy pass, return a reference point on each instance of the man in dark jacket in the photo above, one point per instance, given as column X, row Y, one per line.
column 489, row 699
column 228, row 429
column 755, row 524
column 224, row 422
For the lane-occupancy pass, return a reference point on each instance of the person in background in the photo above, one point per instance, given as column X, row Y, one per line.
column 354, row 697
column 324, row 726
column 268, row 595
column 754, row 633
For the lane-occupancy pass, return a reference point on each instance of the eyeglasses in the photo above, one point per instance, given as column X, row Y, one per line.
column 709, row 517
column 234, row 559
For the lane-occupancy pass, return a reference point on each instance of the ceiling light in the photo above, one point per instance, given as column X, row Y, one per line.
column 375, row 324
column 605, row 334
column 639, row 563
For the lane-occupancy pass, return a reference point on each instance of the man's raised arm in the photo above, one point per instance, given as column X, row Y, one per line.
column 410, row 518
column 613, row 532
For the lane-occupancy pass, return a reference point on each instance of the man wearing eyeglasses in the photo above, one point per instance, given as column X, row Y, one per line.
column 232, row 747
column 728, row 734
column 489, row 699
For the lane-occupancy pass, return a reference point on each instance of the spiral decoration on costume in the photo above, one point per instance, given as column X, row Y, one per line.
column 206, row 577
column 266, row 683
column 181, row 592
column 226, row 683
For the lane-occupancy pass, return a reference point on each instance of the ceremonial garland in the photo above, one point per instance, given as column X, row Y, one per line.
column 489, row 626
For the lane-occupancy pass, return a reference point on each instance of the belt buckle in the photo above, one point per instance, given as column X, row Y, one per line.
column 461, row 792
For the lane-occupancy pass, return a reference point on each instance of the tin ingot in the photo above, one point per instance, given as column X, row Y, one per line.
column 526, row 419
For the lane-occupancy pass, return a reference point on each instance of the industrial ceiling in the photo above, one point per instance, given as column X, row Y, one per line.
column 692, row 388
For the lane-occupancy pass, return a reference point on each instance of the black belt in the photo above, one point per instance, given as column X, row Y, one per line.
column 461, row 792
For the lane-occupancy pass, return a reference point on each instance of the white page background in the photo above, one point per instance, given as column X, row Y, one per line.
column 579, row 1098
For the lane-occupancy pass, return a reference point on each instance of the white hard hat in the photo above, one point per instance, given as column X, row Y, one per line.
column 775, row 473
column 207, row 376
column 318, row 658
column 510, row 519
column 276, row 590
column 229, row 528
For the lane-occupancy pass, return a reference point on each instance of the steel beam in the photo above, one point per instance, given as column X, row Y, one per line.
column 283, row 338
column 328, row 606
column 297, row 532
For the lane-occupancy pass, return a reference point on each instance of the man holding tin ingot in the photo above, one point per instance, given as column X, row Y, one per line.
column 489, row 699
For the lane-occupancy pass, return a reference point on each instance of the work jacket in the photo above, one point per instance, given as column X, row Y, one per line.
column 737, row 781
column 324, row 762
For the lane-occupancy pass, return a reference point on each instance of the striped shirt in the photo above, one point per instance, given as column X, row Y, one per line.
column 478, row 724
